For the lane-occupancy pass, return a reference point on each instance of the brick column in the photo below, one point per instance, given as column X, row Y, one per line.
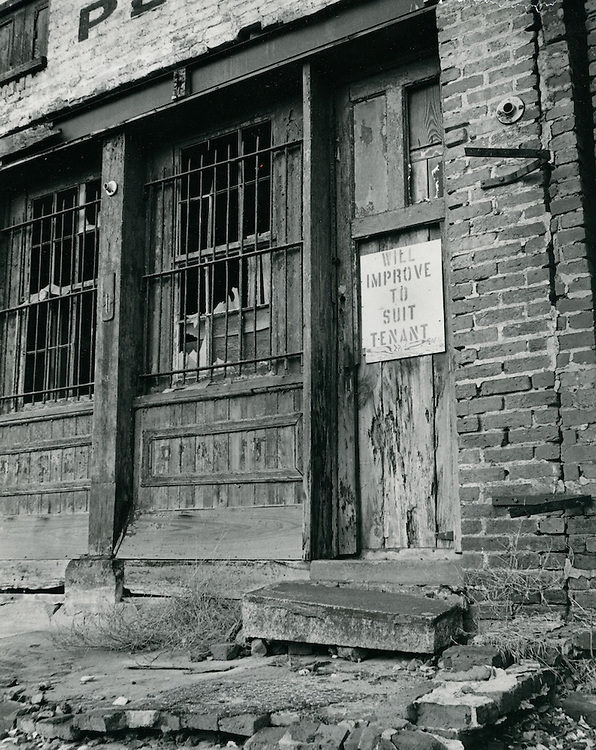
column 522, row 296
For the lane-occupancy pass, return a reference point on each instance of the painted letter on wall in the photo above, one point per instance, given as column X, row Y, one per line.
column 140, row 6
column 107, row 7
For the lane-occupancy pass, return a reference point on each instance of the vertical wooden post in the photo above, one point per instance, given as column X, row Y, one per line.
column 319, row 292
column 118, row 342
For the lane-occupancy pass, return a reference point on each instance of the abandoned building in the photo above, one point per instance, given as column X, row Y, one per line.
column 304, row 289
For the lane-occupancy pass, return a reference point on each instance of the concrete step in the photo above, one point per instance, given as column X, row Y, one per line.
column 313, row 613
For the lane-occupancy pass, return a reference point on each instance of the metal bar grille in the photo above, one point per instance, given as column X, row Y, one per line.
column 223, row 281
column 48, row 299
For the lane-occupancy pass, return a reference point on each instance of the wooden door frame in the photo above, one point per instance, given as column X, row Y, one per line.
column 320, row 510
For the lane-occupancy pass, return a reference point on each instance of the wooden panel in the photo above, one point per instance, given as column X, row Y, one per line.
column 44, row 462
column 425, row 138
column 10, row 282
column 371, row 194
column 286, row 264
column 396, row 442
column 248, row 533
column 409, row 481
column 47, row 537
column 204, row 453
column 237, row 445
column 425, row 123
column 378, row 153
column 42, row 465
column 371, row 456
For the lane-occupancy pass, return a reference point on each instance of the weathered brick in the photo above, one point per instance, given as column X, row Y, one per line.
column 505, row 385
column 482, row 474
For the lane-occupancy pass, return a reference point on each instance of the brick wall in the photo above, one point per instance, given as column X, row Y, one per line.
column 521, row 279
column 123, row 49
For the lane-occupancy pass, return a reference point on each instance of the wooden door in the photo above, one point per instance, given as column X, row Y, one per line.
column 396, row 464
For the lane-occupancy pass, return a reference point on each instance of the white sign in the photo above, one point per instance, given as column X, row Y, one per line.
column 402, row 302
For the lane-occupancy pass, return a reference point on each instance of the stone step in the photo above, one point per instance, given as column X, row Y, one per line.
column 390, row 575
column 314, row 613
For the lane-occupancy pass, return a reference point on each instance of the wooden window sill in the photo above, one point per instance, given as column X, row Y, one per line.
column 32, row 66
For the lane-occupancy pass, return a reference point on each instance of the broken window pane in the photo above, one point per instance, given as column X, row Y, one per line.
column 225, row 186
column 223, row 291
column 425, row 143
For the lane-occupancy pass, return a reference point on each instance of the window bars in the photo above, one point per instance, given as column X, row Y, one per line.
column 48, row 299
column 223, row 288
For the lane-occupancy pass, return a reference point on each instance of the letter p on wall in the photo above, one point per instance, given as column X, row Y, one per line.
column 86, row 22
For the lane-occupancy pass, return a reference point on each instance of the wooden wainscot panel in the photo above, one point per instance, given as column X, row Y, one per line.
column 44, row 462
column 245, row 451
column 248, row 533
column 48, row 537
column 53, row 465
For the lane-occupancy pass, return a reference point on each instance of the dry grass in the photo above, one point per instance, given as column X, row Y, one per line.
column 504, row 590
column 191, row 619
column 531, row 637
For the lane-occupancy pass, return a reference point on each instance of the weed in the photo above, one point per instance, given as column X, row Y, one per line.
column 505, row 589
column 192, row 618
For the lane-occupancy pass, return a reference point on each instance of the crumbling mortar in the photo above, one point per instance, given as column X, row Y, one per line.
column 545, row 134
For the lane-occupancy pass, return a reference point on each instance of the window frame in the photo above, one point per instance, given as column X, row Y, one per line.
column 74, row 293
column 408, row 213
column 284, row 142
column 30, row 56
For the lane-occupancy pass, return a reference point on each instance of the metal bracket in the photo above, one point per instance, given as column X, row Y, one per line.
column 528, row 505
column 180, row 84
column 108, row 292
column 540, row 158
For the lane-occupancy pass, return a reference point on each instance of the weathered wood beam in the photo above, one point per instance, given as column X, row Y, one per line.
column 119, row 336
column 319, row 321
column 25, row 140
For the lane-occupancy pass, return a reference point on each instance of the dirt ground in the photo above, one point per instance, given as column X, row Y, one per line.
column 45, row 667
column 42, row 667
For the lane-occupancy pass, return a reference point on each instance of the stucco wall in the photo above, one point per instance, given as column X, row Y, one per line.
column 122, row 49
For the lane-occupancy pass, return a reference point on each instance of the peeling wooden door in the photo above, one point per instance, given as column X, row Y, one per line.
column 396, row 468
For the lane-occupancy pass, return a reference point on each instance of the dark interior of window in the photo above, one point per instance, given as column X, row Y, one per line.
column 225, row 219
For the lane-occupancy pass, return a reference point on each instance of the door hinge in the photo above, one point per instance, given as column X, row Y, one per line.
column 445, row 536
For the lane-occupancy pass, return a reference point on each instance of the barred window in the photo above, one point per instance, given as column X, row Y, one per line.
column 223, row 254
column 47, row 315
